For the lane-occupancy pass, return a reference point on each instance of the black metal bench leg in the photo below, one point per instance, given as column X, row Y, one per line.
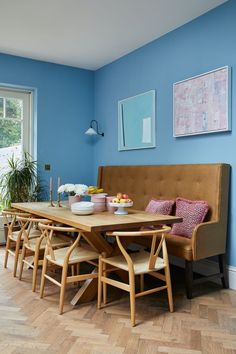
column 189, row 278
column 223, row 270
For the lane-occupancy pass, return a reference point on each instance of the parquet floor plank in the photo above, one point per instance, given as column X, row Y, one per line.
column 203, row 325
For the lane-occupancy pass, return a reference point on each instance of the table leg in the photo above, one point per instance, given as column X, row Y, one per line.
column 88, row 290
column 97, row 241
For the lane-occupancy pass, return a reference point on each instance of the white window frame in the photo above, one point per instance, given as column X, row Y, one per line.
column 27, row 96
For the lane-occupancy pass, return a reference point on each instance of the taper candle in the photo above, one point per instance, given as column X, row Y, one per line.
column 50, row 192
column 50, row 186
column 58, row 194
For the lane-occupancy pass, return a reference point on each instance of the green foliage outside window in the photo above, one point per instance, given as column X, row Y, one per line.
column 10, row 133
column 10, row 122
column 13, row 108
column 1, row 107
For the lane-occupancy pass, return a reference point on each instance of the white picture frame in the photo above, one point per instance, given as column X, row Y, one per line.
column 136, row 122
column 202, row 104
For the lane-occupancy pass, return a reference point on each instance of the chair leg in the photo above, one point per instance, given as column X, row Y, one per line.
column 16, row 258
column 77, row 268
column 132, row 298
column 78, row 272
column 35, row 270
column 42, row 285
column 141, row 282
column 6, row 252
column 72, row 270
column 169, row 288
column 223, row 270
column 22, row 262
column 104, row 285
column 63, row 288
column 189, row 278
column 100, row 265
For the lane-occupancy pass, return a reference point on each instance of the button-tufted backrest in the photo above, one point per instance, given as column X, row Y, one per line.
column 208, row 182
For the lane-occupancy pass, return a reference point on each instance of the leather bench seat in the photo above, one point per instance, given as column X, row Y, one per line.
column 179, row 246
column 209, row 182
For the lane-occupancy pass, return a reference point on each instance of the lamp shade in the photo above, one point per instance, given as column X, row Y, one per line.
column 91, row 131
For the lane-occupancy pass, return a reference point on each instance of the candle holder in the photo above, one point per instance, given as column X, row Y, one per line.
column 58, row 201
column 50, row 201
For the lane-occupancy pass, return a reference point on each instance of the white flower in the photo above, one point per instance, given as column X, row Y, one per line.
column 80, row 189
column 69, row 187
column 73, row 189
column 61, row 189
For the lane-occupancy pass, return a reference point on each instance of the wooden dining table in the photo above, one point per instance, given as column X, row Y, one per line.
column 93, row 227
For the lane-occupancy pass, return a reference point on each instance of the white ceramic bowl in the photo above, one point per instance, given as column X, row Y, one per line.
column 83, row 212
column 122, row 205
column 82, row 208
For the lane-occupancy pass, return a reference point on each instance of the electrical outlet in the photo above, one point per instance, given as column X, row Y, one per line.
column 47, row 167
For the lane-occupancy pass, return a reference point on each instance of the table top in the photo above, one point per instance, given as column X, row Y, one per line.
column 103, row 221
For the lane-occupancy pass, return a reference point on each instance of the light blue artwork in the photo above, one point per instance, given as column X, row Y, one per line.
column 136, row 122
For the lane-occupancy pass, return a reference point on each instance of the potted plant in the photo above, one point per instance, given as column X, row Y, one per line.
column 20, row 183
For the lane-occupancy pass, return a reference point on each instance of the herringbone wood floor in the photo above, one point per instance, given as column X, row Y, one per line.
column 206, row 324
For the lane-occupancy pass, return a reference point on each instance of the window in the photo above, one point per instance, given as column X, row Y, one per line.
column 15, row 124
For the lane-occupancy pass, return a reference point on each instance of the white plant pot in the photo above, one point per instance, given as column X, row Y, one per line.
column 73, row 199
column 2, row 234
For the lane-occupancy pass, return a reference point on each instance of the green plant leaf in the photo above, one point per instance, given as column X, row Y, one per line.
column 20, row 183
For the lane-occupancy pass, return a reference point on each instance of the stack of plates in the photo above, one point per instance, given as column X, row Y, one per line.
column 82, row 208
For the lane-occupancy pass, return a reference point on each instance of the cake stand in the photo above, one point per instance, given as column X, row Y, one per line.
column 121, row 207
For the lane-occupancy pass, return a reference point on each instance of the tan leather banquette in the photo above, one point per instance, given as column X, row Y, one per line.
column 209, row 182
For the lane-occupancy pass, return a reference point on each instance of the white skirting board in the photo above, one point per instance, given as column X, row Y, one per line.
column 2, row 235
column 232, row 277
column 207, row 267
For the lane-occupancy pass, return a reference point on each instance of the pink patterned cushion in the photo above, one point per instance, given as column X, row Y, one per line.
column 192, row 212
column 156, row 206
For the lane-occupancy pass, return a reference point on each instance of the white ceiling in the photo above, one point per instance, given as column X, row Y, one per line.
column 90, row 33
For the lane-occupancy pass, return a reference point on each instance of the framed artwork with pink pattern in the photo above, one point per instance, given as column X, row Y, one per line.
column 202, row 104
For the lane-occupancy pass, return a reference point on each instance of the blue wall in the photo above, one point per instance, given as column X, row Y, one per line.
column 197, row 47
column 68, row 98
column 65, row 98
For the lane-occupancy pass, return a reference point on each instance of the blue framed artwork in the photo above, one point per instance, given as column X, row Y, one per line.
column 136, row 122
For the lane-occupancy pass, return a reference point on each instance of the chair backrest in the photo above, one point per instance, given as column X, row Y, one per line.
column 28, row 223
column 49, row 231
column 155, row 250
column 10, row 218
